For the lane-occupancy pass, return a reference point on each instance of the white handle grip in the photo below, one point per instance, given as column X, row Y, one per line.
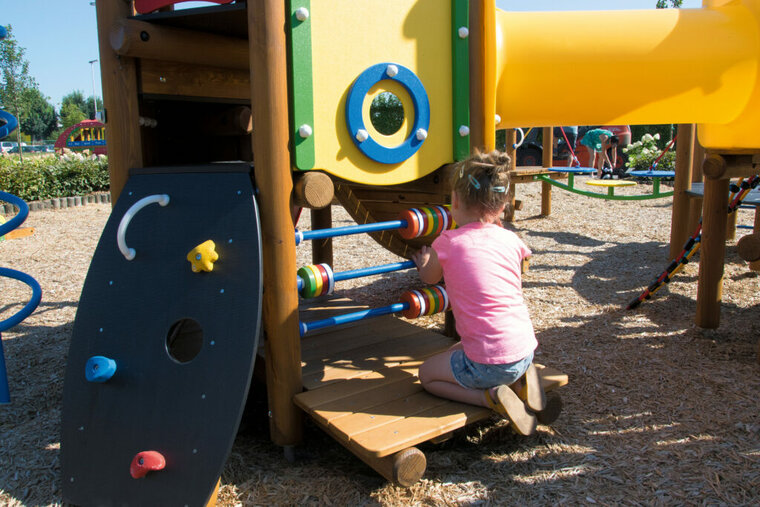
column 522, row 138
column 129, row 253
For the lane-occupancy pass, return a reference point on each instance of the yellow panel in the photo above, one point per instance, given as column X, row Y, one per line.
column 347, row 38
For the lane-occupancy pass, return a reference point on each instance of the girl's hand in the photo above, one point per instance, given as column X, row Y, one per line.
column 427, row 264
column 422, row 257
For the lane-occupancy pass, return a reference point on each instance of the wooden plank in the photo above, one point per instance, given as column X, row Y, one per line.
column 372, row 405
column 187, row 80
column 309, row 400
column 343, row 373
column 343, row 340
column 351, row 426
column 419, row 427
column 384, row 353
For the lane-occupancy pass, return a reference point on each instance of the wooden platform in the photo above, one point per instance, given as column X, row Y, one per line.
column 362, row 385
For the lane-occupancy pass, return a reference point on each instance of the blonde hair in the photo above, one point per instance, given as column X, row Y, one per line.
column 482, row 181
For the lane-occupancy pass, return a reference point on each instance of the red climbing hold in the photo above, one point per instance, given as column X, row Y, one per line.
column 146, row 461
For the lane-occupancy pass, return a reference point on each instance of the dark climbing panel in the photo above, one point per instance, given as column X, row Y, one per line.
column 182, row 342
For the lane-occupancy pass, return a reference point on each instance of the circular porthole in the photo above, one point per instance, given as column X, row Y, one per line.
column 355, row 113
column 184, row 340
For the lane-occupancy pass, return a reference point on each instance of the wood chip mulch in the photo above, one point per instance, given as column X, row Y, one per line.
column 657, row 411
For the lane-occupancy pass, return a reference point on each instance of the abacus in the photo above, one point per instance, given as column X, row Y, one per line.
column 317, row 280
column 412, row 304
column 412, row 223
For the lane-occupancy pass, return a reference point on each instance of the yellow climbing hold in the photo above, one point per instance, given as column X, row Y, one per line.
column 203, row 256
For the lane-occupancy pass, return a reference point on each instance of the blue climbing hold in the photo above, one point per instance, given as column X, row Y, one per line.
column 99, row 369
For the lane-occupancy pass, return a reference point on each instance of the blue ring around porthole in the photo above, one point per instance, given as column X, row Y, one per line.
column 354, row 113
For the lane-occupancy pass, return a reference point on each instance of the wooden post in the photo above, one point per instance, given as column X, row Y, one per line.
column 119, row 78
column 695, row 204
column 269, row 105
column 712, row 252
column 679, row 221
column 322, row 249
column 547, row 161
column 755, row 265
column 509, row 211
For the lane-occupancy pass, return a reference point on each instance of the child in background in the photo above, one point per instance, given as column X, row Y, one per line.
column 481, row 264
column 599, row 141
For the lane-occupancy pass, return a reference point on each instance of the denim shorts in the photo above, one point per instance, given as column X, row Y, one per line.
column 474, row 375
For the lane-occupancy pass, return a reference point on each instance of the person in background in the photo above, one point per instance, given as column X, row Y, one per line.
column 599, row 141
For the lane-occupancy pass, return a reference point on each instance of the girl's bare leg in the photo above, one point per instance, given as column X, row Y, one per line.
column 437, row 378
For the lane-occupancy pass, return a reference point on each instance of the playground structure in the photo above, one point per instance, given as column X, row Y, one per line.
column 218, row 84
column 85, row 135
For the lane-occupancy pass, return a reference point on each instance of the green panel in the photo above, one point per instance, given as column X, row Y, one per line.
column 302, row 89
column 460, row 72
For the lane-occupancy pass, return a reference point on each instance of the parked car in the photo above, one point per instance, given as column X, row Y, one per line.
column 6, row 146
column 530, row 153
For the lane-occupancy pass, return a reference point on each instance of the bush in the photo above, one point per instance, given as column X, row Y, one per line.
column 643, row 153
column 37, row 178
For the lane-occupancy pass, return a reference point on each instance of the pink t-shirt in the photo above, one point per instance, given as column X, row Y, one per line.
column 481, row 268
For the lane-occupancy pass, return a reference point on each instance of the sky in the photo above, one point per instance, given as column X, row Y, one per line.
column 60, row 36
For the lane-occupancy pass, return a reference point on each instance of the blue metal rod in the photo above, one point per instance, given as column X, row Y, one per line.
column 352, row 317
column 373, row 270
column 350, row 229
column 5, row 394
column 15, row 319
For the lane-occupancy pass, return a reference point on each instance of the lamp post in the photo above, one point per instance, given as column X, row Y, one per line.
column 94, row 98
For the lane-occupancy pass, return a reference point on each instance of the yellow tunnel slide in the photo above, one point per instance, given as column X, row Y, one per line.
column 628, row 67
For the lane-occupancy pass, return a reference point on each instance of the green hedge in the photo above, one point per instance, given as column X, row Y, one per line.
column 43, row 177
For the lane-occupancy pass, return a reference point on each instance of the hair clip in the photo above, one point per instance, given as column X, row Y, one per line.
column 499, row 190
column 475, row 183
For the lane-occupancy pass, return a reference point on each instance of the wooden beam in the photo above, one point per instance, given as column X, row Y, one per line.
column 547, row 161
column 184, row 79
column 119, row 77
column 138, row 39
column 679, row 219
column 712, row 254
column 748, row 247
column 695, row 205
column 313, row 190
column 719, row 166
column 509, row 211
column 269, row 104
column 322, row 249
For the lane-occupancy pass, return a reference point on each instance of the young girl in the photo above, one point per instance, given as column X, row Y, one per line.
column 480, row 262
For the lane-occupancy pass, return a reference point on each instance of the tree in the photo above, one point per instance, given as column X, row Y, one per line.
column 40, row 120
column 16, row 80
column 71, row 114
column 85, row 105
column 666, row 4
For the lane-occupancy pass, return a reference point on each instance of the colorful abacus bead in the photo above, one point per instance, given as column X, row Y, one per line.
column 426, row 221
column 318, row 280
column 425, row 301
